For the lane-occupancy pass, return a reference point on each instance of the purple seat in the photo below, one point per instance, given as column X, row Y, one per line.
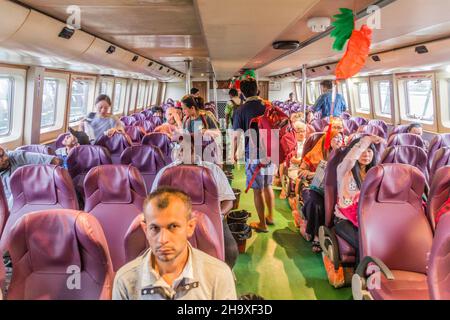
column 204, row 237
column 361, row 121
column 115, row 144
column 37, row 148
column 114, row 195
column 439, row 194
column 439, row 265
column 127, row 120
column 395, row 236
column 135, row 133
column 438, row 142
column 139, row 117
column 157, row 121
column 318, row 125
column 411, row 155
column 38, row 187
column 406, row 139
column 311, row 142
column 148, row 126
column 84, row 158
column 147, row 113
column 379, row 123
column 49, row 246
column 204, row 196
column 4, row 210
column 160, row 140
column 374, row 130
column 149, row 160
column 60, row 139
column 351, row 126
column 400, row 129
column 441, row 159
column 346, row 116
column 2, row 280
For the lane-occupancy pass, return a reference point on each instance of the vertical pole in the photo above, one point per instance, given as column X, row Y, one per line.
column 188, row 76
column 304, row 79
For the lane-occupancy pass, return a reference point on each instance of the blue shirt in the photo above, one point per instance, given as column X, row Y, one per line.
column 323, row 105
column 243, row 116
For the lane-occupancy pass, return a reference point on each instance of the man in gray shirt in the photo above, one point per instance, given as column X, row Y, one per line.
column 10, row 161
column 171, row 269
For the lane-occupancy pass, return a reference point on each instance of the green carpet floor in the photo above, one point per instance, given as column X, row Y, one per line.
column 280, row 265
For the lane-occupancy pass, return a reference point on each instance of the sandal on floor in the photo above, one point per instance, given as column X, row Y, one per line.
column 255, row 226
column 316, row 248
column 269, row 222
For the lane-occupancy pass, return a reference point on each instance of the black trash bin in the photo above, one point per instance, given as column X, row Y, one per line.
column 241, row 232
column 240, row 216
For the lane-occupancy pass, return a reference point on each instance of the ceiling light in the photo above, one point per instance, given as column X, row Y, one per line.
column 319, row 24
column 111, row 50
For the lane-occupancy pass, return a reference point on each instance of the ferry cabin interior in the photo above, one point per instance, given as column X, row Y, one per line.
column 57, row 56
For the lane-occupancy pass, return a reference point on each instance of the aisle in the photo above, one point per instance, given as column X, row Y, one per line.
column 280, row 264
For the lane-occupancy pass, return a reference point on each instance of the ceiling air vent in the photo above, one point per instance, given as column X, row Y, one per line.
column 66, row 33
column 111, row 50
column 150, row 64
column 286, row 45
column 376, row 58
column 421, row 49
column 135, row 58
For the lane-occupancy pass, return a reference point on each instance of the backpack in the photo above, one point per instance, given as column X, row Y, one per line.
column 272, row 119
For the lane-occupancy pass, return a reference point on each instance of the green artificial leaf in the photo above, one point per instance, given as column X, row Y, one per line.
column 344, row 25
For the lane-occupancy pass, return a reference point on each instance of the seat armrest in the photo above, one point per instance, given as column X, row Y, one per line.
column 362, row 267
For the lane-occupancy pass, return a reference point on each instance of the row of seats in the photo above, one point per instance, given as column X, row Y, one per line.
column 109, row 230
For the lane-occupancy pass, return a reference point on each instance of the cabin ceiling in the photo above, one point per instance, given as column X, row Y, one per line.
column 222, row 37
column 167, row 31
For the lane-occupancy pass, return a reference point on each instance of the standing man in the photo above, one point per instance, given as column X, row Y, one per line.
column 171, row 269
column 232, row 105
column 262, row 185
column 323, row 104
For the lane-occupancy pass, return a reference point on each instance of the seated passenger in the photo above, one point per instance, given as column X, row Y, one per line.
column 314, row 207
column 196, row 120
column 158, row 112
column 226, row 193
column 101, row 122
column 10, row 161
column 416, row 128
column 71, row 141
column 171, row 269
column 173, row 124
column 292, row 145
column 360, row 158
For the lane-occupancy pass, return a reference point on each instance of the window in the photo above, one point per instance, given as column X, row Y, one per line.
column 6, row 102
column 103, row 88
column 384, row 89
column 344, row 92
column 49, row 103
column 142, row 87
column 312, row 92
column 79, row 100
column 117, row 97
column 419, row 99
column 363, row 96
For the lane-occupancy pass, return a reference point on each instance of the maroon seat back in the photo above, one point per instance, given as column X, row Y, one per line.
column 379, row 123
column 115, row 144
column 204, row 196
column 84, row 158
column 406, row 139
column 60, row 139
column 311, row 142
column 439, row 194
column 441, row 159
column 351, row 126
column 48, row 247
column 393, row 226
column 439, row 262
column 127, row 120
column 39, row 187
column 157, row 121
column 4, row 210
column 139, row 116
column 400, row 129
column 438, row 142
column 204, row 238
column 146, row 125
column 114, row 195
column 160, row 140
column 318, row 125
column 149, row 160
column 360, row 121
column 135, row 133
column 411, row 155
column 37, row 148
column 374, row 130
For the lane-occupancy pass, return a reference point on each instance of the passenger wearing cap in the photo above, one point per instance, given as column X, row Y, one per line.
column 71, row 141
column 171, row 269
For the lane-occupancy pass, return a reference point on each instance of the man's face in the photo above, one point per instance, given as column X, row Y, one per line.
column 4, row 160
column 169, row 229
column 70, row 141
column 188, row 112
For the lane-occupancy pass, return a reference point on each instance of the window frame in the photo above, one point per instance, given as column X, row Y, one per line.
column 10, row 104
column 376, row 98
column 122, row 98
column 444, row 102
column 56, row 103
column 91, row 97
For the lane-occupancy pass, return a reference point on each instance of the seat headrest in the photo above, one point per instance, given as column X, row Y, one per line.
column 411, row 155
column 147, row 159
column 83, row 158
column 406, row 139
column 23, row 182
column 397, row 182
column 115, row 183
column 185, row 176
column 115, row 144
